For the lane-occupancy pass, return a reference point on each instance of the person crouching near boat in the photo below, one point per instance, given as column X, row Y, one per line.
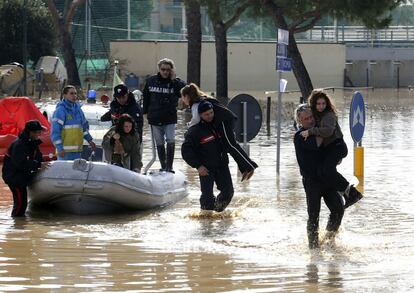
column 121, row 144
column 21, row 163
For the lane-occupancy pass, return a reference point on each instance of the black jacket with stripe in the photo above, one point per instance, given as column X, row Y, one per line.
column 203, row 146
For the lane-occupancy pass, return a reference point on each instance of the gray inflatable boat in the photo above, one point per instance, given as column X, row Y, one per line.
column 86, row 187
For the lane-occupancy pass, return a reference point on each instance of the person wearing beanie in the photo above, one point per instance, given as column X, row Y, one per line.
column 224, row 120
column 21, row 163
column 160, row 100
column 203, row 149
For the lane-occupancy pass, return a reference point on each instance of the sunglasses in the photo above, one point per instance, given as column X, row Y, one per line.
column 165, row 69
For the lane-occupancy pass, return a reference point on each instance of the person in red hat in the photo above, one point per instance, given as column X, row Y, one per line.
column 21, row 163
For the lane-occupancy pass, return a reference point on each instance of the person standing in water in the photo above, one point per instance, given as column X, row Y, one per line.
column 334, row 147
column 204, row 150
column 161, row 94
column 310, row 156
column 224, row 121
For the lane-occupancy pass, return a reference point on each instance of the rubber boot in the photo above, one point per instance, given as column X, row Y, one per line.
column 161, row 156
column 170, row 156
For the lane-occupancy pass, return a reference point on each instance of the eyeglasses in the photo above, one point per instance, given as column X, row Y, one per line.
column 302, row 107
column 165, row 69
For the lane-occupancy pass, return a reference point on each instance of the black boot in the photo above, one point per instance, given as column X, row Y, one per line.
column 170, row 156
column 161, row 156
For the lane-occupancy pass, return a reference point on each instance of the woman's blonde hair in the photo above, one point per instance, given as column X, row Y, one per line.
column 319, row 94
column 193, row 92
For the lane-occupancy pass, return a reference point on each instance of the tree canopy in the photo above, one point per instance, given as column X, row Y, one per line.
column 41, row 37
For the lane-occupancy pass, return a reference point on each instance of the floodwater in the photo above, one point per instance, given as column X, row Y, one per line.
column 258, row 245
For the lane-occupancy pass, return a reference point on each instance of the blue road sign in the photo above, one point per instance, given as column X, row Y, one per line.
column 283, row 64
column 357, row 117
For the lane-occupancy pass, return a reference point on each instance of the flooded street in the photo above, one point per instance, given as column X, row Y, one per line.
column 258, row 245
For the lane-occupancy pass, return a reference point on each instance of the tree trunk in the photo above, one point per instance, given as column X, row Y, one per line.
column 69, row 57
column 220, row 34
column 194, row 41
column 299, row 69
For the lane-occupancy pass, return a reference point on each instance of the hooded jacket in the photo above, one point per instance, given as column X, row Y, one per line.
column 22, row 160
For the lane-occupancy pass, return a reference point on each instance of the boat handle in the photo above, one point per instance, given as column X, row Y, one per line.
column 62, row 184
column 93, row 186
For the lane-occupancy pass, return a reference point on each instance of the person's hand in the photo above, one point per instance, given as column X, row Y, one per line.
column 93, row 145
column 305, row 134
column 116, row 136
column 247, row 175
column 202, row 171
column 61, row 153
column 44, row 165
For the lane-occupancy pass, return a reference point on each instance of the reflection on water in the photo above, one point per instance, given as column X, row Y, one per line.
column 258, row 245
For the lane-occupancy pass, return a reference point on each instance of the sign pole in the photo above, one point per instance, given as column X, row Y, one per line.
column 279, row 121
column 283, row 63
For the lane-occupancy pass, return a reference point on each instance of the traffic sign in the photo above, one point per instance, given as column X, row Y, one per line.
column 357, row 117
column 254, row 116
column 283, row 64
column 281, row 50
column 282, row 36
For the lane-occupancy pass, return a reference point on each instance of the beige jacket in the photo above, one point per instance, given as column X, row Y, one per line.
column 326, row 127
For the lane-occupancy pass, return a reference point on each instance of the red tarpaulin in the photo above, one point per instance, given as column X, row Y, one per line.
column 14, row 113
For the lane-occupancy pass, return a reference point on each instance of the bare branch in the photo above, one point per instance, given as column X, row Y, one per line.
column 304, row 17
column 306, row 27
column 54, row 12
column 70, row 13
column 239, row 11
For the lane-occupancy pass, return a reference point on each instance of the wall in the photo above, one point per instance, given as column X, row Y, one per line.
column 251, row 64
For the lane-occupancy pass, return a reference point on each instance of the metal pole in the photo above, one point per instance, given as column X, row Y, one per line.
column 183, row 22
column 279, row 121
column 268, row 108
column 24, row 48
column 245, row 126
column 129, row 18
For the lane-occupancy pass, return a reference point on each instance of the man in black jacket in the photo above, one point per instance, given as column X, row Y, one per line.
column 161, row 94
column 309, row 157
column 124, row 103
column 21, row 163
column 204, row 150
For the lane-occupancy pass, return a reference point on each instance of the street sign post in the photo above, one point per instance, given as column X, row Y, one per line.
column 283, row 63
column 357, row 128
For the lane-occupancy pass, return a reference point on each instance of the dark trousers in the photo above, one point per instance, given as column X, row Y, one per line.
column 333, row 154
column 19, row 200
column 222, row 177
column 239, row 155
column 314, row 192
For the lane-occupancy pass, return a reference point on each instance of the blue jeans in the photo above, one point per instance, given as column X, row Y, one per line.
column 163, row 133
column 70, row 156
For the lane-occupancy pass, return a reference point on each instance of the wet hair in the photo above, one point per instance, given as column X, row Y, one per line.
column 319, row 94
column 300, row 109
column 166, row 61
column 67, row 88
column 194, row 93
column 120, row 125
